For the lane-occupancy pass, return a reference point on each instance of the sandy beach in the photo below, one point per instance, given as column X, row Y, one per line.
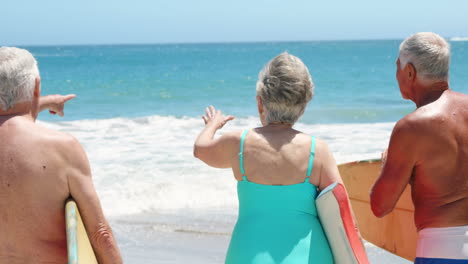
column 162, row 241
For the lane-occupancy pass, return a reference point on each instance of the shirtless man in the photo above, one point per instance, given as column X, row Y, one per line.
column 39, row 169
column 429, row 150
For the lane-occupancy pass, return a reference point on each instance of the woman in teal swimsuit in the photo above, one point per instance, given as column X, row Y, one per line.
column 279, row 171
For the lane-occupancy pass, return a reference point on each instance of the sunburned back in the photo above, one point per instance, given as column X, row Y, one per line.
column 277, row 157
column 33, row 188
column 440, row 179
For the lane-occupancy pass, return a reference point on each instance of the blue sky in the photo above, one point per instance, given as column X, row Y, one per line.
column 53, row 22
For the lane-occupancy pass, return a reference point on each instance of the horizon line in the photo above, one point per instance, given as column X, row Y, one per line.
column 453, row 38
column 199, row 42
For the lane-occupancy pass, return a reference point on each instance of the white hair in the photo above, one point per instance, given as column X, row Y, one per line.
column 285, row 87
column 18, row 72
column 429, row 53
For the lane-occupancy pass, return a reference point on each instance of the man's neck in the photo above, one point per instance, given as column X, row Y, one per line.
column 430, row 93
column 23, row 109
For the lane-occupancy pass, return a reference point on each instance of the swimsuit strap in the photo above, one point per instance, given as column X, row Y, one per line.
column 241, row 155
column 311, row 159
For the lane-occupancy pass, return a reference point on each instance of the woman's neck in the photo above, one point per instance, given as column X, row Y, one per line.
column 278, row 125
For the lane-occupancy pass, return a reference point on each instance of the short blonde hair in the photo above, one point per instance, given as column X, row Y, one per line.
column 285, row 87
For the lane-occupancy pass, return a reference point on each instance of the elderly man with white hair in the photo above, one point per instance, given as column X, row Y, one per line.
column 39, row 169
column 428, row 149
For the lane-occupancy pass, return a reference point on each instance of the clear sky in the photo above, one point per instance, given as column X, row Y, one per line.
column 54, row 22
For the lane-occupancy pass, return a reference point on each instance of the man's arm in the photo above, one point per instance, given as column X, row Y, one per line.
column 397, row 167
column 82, row 190
column 55, row 103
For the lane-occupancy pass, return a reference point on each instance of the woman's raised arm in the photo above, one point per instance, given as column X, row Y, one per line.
column 215, row 152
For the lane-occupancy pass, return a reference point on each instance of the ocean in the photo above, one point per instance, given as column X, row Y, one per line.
column 138, row 111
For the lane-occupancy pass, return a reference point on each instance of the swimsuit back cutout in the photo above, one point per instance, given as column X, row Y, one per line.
column 241, row 157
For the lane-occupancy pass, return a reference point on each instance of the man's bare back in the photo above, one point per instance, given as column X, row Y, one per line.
column 33, row 189
column 39, row 169
column 440, row 177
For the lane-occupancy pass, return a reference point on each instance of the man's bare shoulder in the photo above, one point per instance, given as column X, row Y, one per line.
column 68, row 147
column 456, row 96
column 436, row 116
column 52, row 136
column 62, row 143
column 448, row 103
column 421, row 121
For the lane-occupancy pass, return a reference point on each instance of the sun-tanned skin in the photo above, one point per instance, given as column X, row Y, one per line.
column 39, row 169
column 429, row 150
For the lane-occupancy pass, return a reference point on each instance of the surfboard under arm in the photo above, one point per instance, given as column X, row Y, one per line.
column 396, row 232
column 335, row 214
column 79, row 248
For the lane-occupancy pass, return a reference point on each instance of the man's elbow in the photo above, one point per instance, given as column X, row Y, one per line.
column 102, row 237
column 104, row 243
column 378, row 209
column 379, row 212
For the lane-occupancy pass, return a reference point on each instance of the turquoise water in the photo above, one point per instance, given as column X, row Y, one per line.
column 355, row 80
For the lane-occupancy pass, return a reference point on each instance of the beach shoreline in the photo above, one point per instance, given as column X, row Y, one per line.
column 165, row 239
column 164, row 205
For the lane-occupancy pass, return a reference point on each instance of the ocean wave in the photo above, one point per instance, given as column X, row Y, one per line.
column 458, row 39
column 146, row 164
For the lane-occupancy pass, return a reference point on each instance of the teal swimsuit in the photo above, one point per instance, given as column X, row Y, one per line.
column 277, row 224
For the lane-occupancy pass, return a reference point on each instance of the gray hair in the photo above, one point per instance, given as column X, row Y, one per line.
column 429, row 53
column 285, row 87
column 18, row 72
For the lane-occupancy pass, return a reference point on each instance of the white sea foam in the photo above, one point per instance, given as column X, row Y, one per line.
column 146, row 164
column 459, row 39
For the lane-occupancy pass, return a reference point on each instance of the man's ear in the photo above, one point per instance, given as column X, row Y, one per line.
column 411, row 71
column 37, row 87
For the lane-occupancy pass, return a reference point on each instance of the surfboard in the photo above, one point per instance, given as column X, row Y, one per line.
column 335, row 214
column 79, row 248
column 395, row 232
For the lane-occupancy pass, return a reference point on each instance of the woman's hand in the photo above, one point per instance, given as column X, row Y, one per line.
column 216, row 152
column 215, row 118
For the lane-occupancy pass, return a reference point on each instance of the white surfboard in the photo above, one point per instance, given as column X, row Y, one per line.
column 79, row 248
